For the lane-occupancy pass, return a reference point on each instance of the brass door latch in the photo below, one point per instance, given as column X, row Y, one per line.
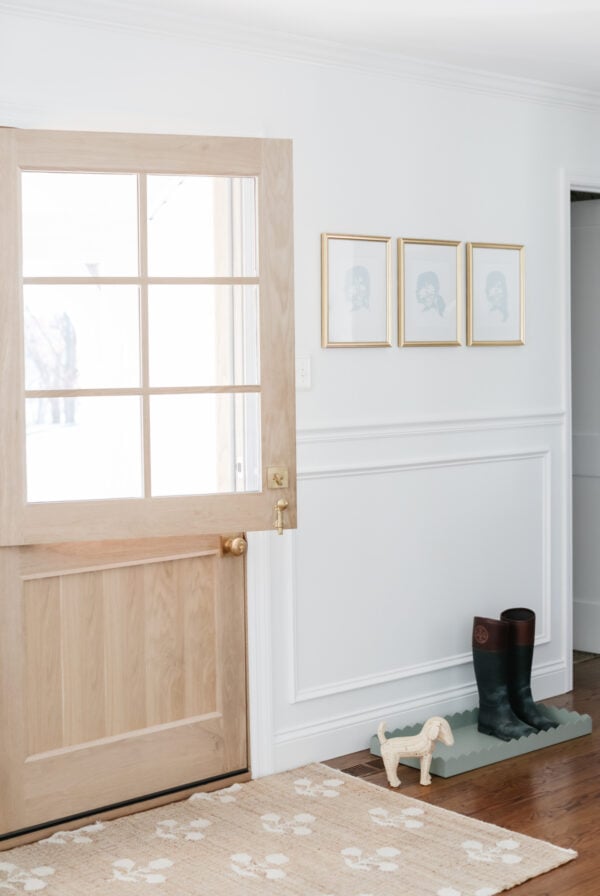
column 281, row 505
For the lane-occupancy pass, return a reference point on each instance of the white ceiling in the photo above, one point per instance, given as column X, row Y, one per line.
column 556, row 41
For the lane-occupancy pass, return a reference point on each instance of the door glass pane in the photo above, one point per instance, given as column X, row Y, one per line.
column 83, row 448
column 203, row 335
column 81, row 337
column 201, row 226
column 79, row 225
column 205, row 444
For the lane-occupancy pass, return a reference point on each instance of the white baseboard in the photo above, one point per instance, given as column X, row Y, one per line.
column 349, row 733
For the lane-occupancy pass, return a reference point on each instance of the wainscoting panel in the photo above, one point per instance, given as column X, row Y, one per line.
column 414, row 540
column 405, row 533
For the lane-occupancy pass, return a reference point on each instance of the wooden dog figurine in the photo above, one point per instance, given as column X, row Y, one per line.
column 394, row 749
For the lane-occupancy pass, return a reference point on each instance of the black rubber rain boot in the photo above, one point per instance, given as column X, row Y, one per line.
column 490, row 659
column 521, row 622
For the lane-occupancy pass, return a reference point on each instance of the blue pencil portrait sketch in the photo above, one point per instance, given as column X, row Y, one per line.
column 358, row 288
column 497, row 295
column 356, row 295
column 428, row 293
column 429, row 282
column 495, row 298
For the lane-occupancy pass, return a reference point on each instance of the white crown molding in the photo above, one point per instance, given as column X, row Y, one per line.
column 182, row 23
column 360, row 431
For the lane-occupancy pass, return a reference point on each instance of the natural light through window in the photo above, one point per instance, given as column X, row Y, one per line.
column 141, row 335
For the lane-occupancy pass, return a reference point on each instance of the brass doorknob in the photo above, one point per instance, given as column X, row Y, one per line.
column 236, row 545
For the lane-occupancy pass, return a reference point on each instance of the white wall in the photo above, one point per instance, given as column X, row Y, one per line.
column 432, row 481
column 585, row 318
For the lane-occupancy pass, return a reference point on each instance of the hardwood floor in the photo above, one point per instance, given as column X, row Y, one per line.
column 553, row 794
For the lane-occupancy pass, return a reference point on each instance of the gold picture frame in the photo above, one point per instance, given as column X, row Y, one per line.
column 495, row 294
column 429, row 292
column 356, row 274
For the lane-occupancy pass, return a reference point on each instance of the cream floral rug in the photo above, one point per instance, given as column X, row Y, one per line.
column 309, row 832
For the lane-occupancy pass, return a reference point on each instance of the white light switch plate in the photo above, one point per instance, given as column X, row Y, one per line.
column 303, row 375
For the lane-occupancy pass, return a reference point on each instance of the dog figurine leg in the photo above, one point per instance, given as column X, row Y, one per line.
column 425, row 766
column 391, row 769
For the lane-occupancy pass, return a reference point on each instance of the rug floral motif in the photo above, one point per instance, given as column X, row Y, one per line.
column 309, row 832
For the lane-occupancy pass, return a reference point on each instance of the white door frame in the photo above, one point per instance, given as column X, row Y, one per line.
column 587, row 183
column 261, row 733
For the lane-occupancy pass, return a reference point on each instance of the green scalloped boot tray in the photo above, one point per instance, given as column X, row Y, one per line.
column 474, row 750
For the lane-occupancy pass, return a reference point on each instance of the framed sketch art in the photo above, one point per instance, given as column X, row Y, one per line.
column 429, row 286
column 355, row 290
column 495, row 294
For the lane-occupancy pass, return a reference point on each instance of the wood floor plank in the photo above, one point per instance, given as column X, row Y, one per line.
column 552, row 794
